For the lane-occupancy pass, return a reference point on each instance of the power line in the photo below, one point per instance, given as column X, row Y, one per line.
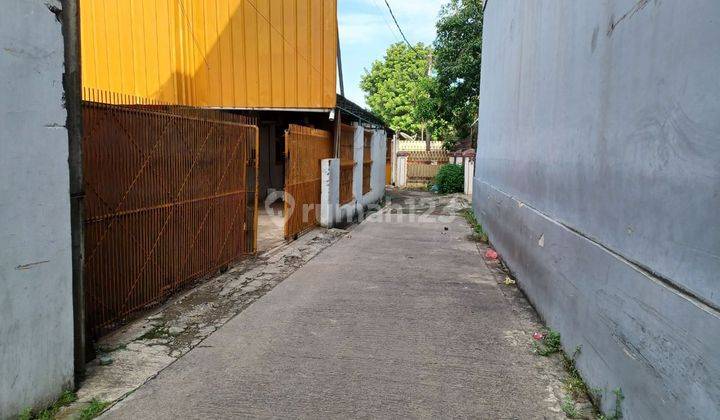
column 400, row 29
column 377, row 6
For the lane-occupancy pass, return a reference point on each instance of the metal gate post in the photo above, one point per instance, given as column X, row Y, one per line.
column 73, row 106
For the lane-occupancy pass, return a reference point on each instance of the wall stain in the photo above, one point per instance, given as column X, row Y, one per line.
column 56, row 11
column 33, row 54
column 628, row 15
column 593, row 41
column 30, row 265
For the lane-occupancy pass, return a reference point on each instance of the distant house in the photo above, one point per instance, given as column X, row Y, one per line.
column 269, row 66
column 274, row 60
column 230, row 54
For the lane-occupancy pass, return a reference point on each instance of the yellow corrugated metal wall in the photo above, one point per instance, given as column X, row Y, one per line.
column 212, row 53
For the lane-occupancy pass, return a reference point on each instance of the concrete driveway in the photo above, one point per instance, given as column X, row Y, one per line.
column 401, row 318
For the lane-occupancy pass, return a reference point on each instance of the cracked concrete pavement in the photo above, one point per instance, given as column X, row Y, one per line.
column 135, row 353
column 402, row 317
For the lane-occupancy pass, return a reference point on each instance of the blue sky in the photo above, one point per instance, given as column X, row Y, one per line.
column 366, row 30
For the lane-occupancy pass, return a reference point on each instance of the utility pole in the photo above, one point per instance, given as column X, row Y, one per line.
column 73, row 104
column 339, row 64
column 429, row 72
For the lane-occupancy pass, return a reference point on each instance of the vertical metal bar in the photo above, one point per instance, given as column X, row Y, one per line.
column 339, row 64
column 257, row 187
column 288, row 179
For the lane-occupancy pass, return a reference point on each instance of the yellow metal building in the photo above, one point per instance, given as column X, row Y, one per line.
column 234, row 54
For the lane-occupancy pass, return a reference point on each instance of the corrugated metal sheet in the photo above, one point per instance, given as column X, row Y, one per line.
column 212, row 53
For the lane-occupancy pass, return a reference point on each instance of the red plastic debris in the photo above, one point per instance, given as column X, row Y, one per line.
column 538, row 336
column 491, row 254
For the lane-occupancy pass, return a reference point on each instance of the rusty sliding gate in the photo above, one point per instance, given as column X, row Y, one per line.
column 171, row 196
column 305, row 147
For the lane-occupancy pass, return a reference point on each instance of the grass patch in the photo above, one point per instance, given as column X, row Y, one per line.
column 66, row 398
column 479, row 233
column 155, row 332
column 568, row 407
column 574, row 384
column 617, row 411
column 93, row 409
column 576, row 387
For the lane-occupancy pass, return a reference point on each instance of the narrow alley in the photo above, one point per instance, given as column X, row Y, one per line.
column 420, row 326
column 347, row 209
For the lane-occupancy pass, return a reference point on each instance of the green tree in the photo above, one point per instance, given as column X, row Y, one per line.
column 428, row 110
column 394, row 85
column 456, row 65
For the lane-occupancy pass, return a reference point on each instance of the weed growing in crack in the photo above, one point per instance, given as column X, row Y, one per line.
column 478, row 231
column 66, row 398
column 568, row 407
column 159, row 331
column 574, row 383
column 550, row 343
column 93, row 409
column 617, row 412
column 26, row 414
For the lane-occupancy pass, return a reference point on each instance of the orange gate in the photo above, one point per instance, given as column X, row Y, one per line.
column 367, row 161
column 347, row 162
column 305, row 147
column 170, row 197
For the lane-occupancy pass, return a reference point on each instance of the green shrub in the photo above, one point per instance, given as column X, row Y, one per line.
column 450, row 179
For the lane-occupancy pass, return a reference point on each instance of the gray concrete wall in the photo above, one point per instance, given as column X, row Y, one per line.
column 598, row 179
column 378, row 150
column 36, row 317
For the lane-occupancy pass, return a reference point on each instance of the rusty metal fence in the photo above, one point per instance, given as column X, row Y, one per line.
column 170, row 197
column 347, row 162
column 305, row 147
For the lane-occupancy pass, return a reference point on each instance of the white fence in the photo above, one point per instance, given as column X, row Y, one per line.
column 417, row 145
column 416, row 169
